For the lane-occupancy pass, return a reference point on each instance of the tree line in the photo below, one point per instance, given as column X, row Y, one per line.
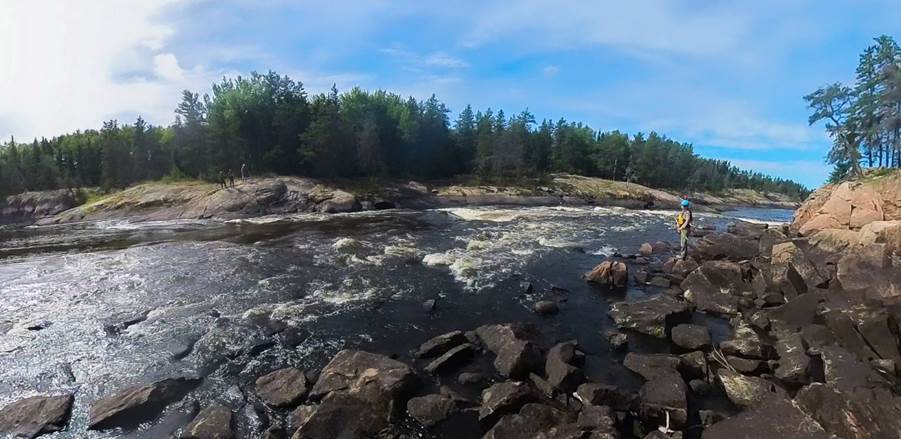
column 864, row 119
column 269, row 123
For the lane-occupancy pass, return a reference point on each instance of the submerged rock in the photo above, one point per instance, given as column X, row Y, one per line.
column 34, row 416
column 135, row 404
column 546, row 307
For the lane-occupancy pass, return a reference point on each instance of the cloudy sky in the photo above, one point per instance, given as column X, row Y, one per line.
column 727, row 76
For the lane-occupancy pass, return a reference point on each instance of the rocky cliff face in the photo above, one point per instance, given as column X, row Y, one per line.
column 33, row 205
column 851, row 205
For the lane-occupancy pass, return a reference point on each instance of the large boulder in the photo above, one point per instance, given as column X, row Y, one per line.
column 665, row 397
column 789, row 254
column 869, row 270
column 357, row 383
column 794, row 364
column 609, row 273
column 776, row 417
column 746, row 343
column 133, row 405
column 345, row 415
column 532, row 420
column 691, row 337
column 726, row 246
column 502, row 399
column 283, row 387
column 747, row 391
column 716, row 287
column 654, row 315
column 882, row 232
column 515, row 355
column 430, row 410
column 851, row 205
column 34, row 416
column 213, row 422
column 561, row 372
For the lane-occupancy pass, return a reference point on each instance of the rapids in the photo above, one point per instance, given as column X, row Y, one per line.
column 92, row 307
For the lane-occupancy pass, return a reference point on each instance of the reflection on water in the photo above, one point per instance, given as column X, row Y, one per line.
column 88, row 308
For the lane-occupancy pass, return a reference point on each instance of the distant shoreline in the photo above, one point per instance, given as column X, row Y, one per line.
column 275, row 195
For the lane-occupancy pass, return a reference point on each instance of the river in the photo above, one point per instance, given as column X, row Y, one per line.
column 90, row 308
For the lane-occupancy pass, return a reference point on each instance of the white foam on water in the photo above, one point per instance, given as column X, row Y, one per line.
column 483, row 214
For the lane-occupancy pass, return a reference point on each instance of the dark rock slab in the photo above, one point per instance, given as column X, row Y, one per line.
column 451, row 359
column 546, row 307
column 716, row 287
column 440, row 344
column 745, row 342
column 726, row 246
column 794, row 364
column 502, row 399
column 691, row 337
column 515, row 356
column 36, row 415
column 653, row 316
column 430, row 410
column 662, row 395
column 607, row 395
column 650, row 366
column 776, row 417
column 364, row 373
column 561, row 373
column 532, row 420
column 347, row 415
column 747, row 391
column 283, row 388
column 858, row 413
column 133, row 405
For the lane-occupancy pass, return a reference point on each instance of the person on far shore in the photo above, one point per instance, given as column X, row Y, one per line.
column 221, row 180
column 231, row 178
column 683, row 225
column 243, row 175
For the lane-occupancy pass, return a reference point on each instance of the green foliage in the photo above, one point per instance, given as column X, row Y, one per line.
column 268, row 123
column 864, row 121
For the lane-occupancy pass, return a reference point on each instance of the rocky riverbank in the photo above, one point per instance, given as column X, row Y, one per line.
column 813, row 351
column 281, row 195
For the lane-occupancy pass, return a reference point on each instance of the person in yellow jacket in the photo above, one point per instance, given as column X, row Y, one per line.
column 683, row 225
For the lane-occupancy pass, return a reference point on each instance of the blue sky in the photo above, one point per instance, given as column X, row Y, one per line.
column 727, row 76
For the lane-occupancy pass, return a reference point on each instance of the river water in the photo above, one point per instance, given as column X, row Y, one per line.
column 90, row 308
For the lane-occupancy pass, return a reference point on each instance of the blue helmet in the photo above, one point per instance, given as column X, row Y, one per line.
column 685, row 203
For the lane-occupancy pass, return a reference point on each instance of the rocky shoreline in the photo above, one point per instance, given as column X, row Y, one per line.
column 813, row 352
column 288, row 195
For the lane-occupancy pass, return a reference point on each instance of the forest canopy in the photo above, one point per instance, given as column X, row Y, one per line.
column 269, row 123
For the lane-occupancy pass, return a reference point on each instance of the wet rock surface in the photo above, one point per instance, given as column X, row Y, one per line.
column 34, row 416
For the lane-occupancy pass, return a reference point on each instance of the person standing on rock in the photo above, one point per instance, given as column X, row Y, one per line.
column 243, row 175
column 222, row 180
column 683, row 225
column 231, row 178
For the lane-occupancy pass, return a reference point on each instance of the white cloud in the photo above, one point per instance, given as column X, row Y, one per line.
column 63, row 64
column 165, row 65
column 551, row 71
column 441, row 59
